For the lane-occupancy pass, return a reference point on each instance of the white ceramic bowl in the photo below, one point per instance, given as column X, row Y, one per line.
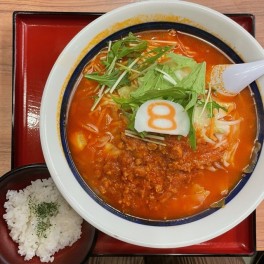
column 245, row 199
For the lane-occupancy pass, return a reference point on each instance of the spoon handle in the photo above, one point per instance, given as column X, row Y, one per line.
column 230, row 79
column 238, row 76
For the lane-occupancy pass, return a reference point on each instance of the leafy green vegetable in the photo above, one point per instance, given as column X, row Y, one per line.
column 180, row 61
column 151, row 81
column 129, row 46
column 214, row 105
column 122, row 75
column 175, row 94
column 107, row 79
column 192, row 135
column 196, row 79
column 219, row 204
column 163, row 77
column 210, row 106
column 115, row 76
column 142, row 74
column 152, row 56
column 196, row 82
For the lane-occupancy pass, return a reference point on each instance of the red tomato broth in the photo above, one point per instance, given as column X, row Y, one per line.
column 98, row 148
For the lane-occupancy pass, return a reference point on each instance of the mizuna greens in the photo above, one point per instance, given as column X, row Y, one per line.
column 140, row 72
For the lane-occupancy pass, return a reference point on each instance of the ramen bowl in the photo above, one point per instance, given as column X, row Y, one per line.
column 192, row 20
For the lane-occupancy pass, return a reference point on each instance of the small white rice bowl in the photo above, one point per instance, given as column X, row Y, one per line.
column 64, row 229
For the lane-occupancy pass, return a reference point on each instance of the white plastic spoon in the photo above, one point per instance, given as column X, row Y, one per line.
column 230, row 79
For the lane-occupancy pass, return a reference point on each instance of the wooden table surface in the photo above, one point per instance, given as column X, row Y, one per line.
column 7, row 7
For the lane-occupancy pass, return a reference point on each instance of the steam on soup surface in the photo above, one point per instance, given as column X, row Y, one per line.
column 158, row 175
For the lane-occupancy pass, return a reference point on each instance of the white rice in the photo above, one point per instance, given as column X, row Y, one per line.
column 65, row 226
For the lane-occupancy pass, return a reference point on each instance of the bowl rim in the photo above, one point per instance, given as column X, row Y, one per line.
column 159, row 237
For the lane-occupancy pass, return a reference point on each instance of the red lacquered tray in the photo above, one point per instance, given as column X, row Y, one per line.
column 38, row 40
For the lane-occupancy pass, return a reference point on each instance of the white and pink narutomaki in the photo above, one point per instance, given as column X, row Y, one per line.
column 162, row 116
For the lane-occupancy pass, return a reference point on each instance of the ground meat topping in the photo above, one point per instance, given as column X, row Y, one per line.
column 149, row 172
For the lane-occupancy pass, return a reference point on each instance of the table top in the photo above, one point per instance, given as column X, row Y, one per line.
column 8, row 7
